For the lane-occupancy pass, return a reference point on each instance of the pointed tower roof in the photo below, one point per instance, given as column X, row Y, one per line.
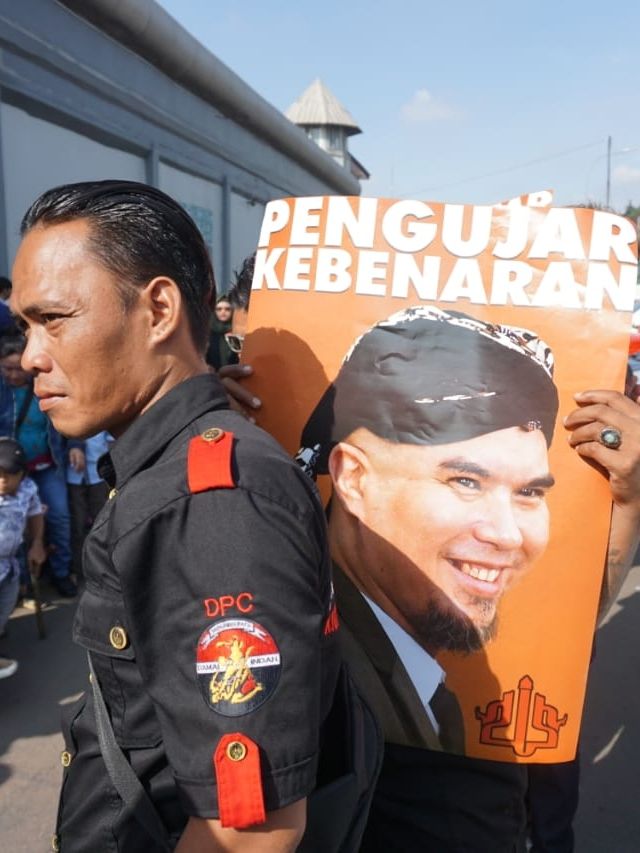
column 318, row 106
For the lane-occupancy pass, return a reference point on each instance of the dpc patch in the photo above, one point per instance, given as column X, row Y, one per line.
column 238, row 666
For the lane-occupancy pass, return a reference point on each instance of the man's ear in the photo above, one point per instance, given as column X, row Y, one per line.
column 348, row 467
column 163, row 301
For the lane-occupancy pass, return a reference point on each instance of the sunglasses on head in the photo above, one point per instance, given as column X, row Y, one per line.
column 234, row 342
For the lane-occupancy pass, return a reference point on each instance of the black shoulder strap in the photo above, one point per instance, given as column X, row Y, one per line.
column 121, row 773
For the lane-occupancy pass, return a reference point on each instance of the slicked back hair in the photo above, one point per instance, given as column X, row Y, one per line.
column 137, row 233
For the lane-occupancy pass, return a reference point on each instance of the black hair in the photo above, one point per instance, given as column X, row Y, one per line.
column 12, row 456
column 240, row 292
column 14, row 345
column 5, row 284
column 137, row 233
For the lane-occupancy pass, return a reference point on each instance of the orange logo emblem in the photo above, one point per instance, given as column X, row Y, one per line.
column 522, row 720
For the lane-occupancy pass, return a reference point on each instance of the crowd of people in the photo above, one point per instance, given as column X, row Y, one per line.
column 43, row 465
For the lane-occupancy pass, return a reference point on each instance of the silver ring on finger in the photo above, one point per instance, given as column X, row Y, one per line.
column 611, row 437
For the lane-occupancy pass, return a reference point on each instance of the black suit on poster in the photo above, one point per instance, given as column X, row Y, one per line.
column 426, row 799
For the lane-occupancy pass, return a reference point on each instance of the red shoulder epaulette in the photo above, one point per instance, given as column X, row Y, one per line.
column 236, row 763
column 209, row 461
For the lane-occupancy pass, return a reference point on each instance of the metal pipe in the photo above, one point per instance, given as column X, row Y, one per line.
column 608, row 194
column 144, row 27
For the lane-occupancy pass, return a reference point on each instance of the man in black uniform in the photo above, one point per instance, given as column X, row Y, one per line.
column 208, row 613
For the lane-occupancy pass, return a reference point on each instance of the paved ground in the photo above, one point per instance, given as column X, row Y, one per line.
column 53, row 672
column 608, row 817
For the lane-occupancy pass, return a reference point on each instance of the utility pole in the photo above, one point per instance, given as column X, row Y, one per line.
column 608, row 171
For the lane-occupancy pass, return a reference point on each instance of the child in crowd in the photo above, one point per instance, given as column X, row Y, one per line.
column 20, row 510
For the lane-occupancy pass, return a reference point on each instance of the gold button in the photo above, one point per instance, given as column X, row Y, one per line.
column 236, row 751
column 66, row 758
column 213, row 434
column 55, row 844
column 118, row 638
column 112, row 494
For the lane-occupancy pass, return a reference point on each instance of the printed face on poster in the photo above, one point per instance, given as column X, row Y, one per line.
column 418, row 360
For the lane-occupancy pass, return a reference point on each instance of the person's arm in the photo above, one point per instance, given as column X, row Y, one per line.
column 77, row 459
column 281, row 833
column 240, row 398
column 597, row 410
column 36, row 555
column 624, row 539
column 238, row 576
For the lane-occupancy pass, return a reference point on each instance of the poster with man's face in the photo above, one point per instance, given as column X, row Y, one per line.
column 418, row 360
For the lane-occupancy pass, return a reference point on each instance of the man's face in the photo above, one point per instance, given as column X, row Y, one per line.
column 13, row 372
column 454, row 527
column 88, row 356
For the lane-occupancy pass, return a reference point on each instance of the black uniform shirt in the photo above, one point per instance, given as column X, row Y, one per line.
column 182, row 590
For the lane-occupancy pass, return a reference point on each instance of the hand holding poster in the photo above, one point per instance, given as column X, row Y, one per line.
column 419, row 359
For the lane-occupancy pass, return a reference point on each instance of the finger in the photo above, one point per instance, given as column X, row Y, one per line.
column 596, row 413
column 593, row 451
column 585, row 433
column 621, row 465
column 623, row 415
column 614, row 399
column 241, row 395
column 598, row 395
column 629, row 449
column 235, row 371
column 235, row 405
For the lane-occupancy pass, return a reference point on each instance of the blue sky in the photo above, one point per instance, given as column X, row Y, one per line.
column 464, row 100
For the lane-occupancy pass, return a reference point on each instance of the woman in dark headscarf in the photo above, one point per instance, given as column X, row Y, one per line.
column 218, row 352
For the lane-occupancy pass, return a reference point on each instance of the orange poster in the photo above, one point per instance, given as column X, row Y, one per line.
column 418, row 359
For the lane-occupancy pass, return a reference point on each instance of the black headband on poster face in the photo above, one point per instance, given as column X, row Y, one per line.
column 426, row 376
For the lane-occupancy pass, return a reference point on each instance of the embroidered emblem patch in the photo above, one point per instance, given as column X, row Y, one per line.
column 238, row 666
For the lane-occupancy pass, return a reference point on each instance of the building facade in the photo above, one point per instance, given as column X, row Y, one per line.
column 91, row 89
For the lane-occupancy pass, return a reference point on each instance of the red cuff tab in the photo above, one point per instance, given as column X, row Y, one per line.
column 237, row 767
column 332, row 622
column 209, row 461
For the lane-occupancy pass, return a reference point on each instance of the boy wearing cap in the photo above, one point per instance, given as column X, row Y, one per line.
column 20, row 510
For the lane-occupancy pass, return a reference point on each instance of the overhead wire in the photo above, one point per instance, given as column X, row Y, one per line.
column 508, row 169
